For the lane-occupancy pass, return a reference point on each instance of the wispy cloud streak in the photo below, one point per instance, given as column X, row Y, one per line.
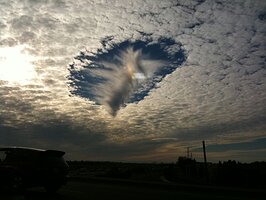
column 125, row 74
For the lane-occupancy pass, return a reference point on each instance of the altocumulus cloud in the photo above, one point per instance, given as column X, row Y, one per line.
column 186, row 70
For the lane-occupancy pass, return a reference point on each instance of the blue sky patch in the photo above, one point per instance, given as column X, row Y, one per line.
column 140, row 65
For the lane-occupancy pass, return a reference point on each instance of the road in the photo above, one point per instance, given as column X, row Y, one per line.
column 84, row 190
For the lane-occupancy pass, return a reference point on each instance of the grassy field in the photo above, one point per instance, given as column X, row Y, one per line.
column 185, row 171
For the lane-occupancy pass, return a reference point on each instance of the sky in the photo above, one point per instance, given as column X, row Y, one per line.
column 134, row 81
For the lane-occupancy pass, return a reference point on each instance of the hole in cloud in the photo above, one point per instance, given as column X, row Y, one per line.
column 121, row 73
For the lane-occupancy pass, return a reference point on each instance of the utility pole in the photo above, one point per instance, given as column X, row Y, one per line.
column 205, row 161
column 187, row 152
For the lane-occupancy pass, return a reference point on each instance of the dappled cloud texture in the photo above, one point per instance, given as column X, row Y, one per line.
column 216, row 92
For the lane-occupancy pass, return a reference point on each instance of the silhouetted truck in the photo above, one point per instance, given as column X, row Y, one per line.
column 21, row 168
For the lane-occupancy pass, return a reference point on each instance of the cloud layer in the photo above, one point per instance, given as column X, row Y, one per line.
column 217, row 93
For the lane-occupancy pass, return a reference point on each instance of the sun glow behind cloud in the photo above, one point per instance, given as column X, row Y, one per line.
column 16, row 65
